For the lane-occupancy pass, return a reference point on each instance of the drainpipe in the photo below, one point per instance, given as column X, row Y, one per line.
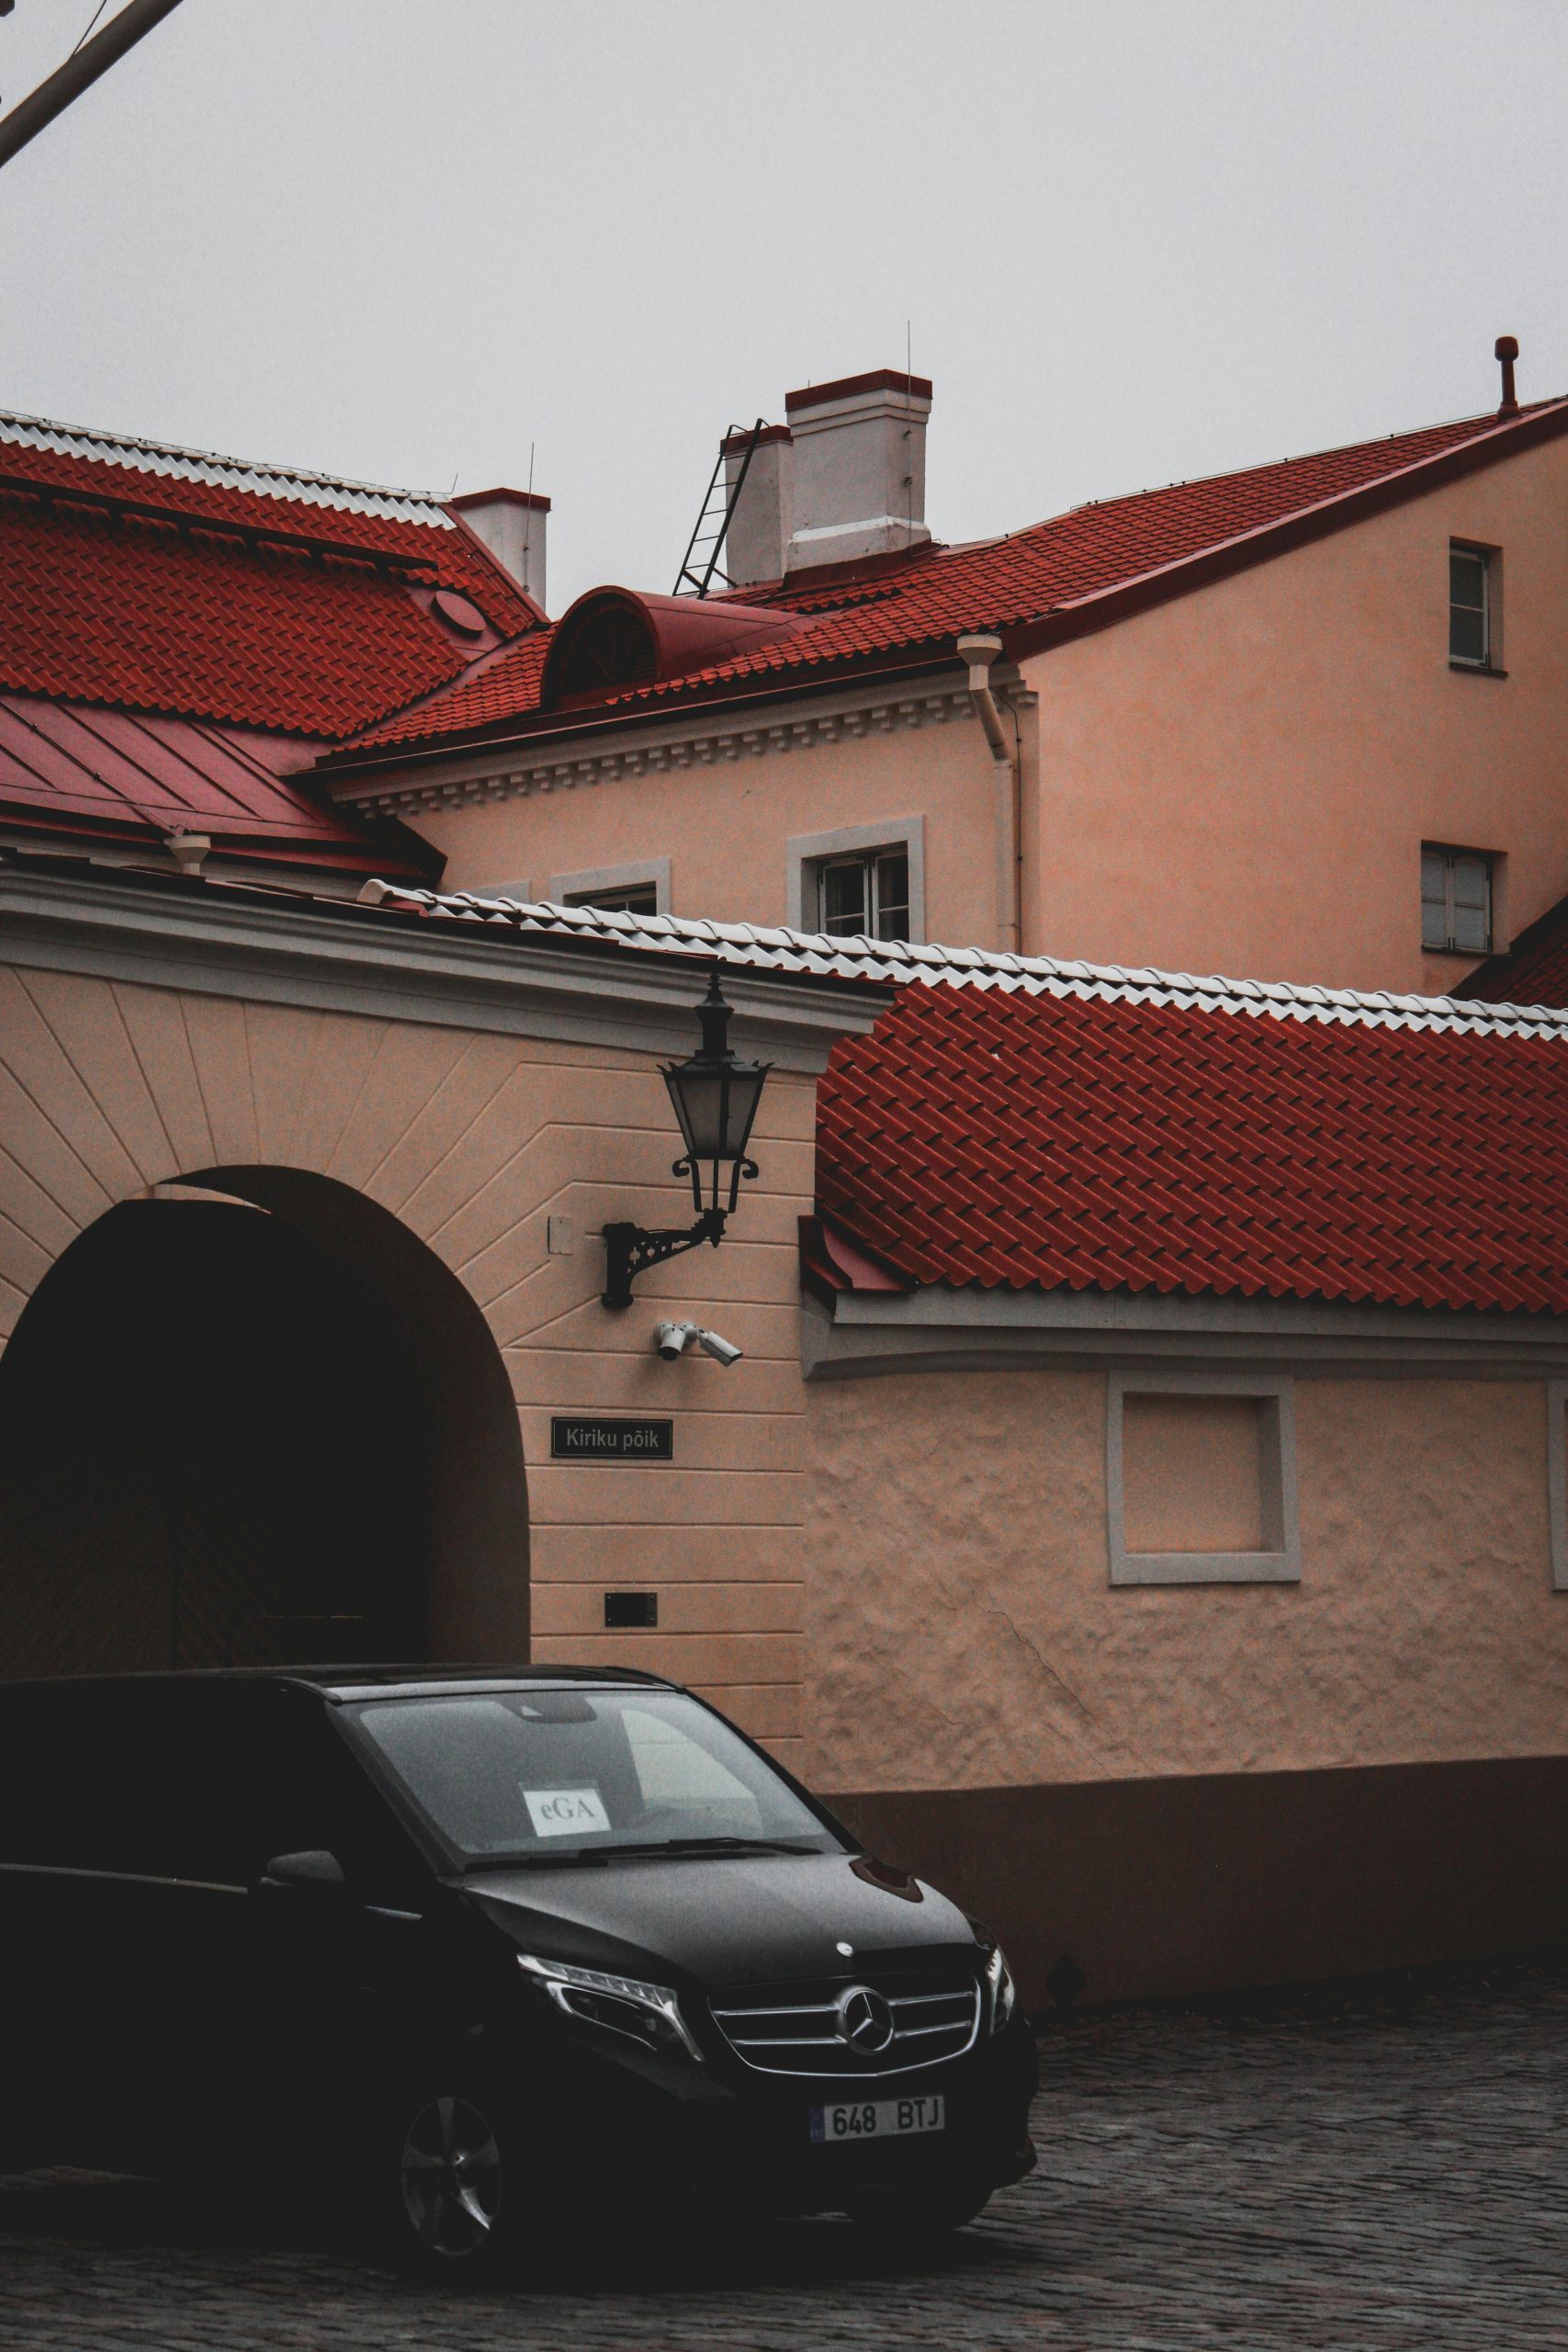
column 979, row 653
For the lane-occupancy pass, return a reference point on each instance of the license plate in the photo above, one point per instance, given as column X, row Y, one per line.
column 879, row 2119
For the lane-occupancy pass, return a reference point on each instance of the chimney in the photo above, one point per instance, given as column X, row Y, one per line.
column 512, row 524
column 846, row 477
column 859, row 467
column 756, row 546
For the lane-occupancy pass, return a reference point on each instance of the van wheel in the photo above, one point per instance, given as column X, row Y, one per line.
column 458, row 2194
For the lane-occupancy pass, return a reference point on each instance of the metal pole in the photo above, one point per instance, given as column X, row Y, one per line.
column 37, row 112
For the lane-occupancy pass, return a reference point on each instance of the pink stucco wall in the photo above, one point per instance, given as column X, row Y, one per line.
column 1238, row 781
column 1241, row 781
column 472, row 1140
column 962, row 1634
column 725, row 827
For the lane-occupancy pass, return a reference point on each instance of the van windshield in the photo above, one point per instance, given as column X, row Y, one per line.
column 554, row 1775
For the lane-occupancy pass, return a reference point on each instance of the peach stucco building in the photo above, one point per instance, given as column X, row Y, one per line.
column 1302, row 722
column 1161, row 1543
column 1141, row 1500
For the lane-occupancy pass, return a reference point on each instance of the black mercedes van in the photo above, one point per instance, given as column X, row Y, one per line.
column 504, row 1951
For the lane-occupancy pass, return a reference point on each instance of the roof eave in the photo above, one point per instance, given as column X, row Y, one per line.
column 1082, row 616
column 773, row 686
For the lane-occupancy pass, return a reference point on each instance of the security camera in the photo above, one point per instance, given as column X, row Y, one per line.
column 723, row 1351
column 671, row 1339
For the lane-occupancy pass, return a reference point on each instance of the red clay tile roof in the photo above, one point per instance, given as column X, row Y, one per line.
column 1533, row 971
column 187, row 617
column 68, row 769
column 890, row 611
column 499, row 690
column 1018, row 1121
column 1013, row 1140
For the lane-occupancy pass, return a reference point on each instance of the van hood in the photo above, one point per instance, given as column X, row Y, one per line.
column 726, row 1920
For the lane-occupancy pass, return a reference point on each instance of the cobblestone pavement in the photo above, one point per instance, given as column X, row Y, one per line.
column 1347, row 2182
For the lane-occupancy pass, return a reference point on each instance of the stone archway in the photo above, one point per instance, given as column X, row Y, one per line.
column 251, row 1421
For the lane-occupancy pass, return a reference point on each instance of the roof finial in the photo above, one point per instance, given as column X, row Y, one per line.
column 1507, row 351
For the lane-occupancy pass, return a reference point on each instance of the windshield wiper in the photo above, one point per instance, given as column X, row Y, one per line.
column 681, row 1845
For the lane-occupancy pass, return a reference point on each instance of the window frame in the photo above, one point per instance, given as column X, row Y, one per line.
column 577, row 889
column 1482, row 559
column 1557, row 1480
column 807, row 854
column 1490, row 560
column 1448, row 945
column 1281, row 1563
column 867, row 863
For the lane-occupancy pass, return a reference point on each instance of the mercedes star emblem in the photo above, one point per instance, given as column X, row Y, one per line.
column 864, row 2020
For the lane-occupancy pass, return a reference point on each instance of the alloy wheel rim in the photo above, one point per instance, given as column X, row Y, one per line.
column 451, row 2178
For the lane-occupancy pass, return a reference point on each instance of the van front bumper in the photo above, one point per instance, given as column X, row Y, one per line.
column 673, row 2131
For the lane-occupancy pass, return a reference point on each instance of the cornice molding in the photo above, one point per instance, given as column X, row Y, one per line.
column 241, row 946
column 697, row 738
column 936, row 1329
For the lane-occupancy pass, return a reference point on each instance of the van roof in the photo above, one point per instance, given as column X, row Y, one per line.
column 342, row 1682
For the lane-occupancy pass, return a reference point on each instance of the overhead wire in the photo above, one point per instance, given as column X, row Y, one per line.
column 91, row 22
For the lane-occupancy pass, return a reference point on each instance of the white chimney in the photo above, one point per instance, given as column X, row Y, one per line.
column 757, row 543
column 512, row 524
column 859, row 466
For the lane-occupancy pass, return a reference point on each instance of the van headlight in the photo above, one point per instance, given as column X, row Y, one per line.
column 650, row 2013
column 1004, row 1994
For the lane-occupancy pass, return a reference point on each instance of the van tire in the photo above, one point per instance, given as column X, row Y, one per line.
column 451, row 2187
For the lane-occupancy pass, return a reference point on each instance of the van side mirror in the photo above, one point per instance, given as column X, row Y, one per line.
column 314, row 1867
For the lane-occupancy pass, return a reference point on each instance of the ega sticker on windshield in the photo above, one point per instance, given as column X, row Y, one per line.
column 565, row 1813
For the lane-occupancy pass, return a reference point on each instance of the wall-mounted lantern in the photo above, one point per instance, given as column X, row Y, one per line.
column 716, row 1098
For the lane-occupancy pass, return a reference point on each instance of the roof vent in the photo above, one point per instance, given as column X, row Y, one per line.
column 1506, row 349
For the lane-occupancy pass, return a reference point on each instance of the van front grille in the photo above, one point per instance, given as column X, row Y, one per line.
column 799, row 2030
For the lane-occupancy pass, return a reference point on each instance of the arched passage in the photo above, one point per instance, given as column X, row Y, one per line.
column 250, row 1422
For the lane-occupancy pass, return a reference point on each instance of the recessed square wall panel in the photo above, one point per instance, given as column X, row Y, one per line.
column 1201, row 1479
column 1191, row 1470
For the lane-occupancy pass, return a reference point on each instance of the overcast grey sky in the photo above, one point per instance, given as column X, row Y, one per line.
column 1137, row 239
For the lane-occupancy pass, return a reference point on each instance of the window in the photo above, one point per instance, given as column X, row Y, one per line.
column 866, row 897
column 631, row 899
column 1469, row 607
column 864, row 880
column 1201, row 1479
column 639, row 888
column 1456, row 901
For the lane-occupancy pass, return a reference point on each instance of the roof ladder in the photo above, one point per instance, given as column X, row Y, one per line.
column 695, row 575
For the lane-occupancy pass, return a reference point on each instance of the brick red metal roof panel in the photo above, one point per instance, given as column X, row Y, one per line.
column 88, row 771
column 937, row 593
column 1014, row 1140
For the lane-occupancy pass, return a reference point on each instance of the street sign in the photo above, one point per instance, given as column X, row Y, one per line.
column 591, row 1438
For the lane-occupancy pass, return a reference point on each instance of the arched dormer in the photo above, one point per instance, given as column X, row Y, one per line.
column 611, row 639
